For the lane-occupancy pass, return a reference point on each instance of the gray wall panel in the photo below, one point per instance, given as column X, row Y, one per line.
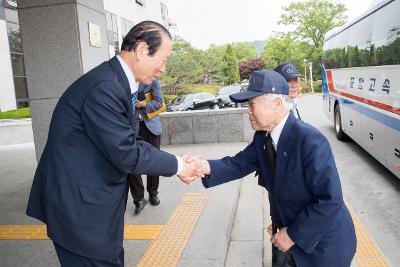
column 42, row 111
column 51, row 49
column 55, row 37
column 91, row 56
column 205, row 129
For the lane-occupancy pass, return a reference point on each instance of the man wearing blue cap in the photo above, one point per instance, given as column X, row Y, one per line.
column 312, row 226
column 291, row 75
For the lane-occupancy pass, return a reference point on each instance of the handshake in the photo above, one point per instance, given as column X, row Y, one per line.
column 194, row 167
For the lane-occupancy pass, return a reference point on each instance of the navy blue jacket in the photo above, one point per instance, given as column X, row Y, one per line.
column 305, row 192
column 80, row 185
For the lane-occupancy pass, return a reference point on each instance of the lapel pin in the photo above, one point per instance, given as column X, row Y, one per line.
column 264, row 147
column 284, row 153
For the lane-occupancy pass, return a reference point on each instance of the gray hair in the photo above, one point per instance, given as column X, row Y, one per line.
column 286, row 100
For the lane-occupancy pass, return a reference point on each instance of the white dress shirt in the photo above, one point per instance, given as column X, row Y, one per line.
column 294, row 109
column 276, row 132
column 134, row 86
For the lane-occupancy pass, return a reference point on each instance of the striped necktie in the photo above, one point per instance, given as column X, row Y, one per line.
column 134, row 98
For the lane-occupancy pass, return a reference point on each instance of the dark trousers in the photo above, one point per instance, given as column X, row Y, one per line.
column 135, row 181
column 70, row 259
column 282, row 259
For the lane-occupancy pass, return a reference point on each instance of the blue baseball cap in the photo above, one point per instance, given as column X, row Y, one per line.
column 288, row 71
column 262, row 82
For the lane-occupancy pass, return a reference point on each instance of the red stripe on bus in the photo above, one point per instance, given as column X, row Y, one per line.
column 358, row 98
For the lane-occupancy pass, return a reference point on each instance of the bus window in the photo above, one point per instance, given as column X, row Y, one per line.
column 385, row 46
column 358, row 53
column 335, row 51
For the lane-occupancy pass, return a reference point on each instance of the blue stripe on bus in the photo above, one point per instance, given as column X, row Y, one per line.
column 324, row 82
column 373, row 114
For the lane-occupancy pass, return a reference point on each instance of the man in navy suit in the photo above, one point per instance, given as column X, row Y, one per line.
column 291, row 75
column 80, row 186
column 150, row 131
column 311, row 220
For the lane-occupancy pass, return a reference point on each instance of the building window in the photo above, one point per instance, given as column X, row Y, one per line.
column 17, row 58
column 112, row 32
column 141, row 2
column 164, row 12
column 126, row 26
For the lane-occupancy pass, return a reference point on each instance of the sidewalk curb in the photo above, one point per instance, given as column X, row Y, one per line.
column 209, row 242
column 267, row 247
column 232, row 220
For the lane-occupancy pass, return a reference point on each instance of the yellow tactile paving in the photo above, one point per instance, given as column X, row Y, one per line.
column 367, row 253
column 167, row 248
column 141, row 232
column 39, row 232
column 170, row 239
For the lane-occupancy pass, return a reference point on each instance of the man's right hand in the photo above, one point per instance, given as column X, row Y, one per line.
column 190, row 170
column 193, row 167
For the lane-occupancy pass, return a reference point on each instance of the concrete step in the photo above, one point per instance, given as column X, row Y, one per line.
column 246, row 240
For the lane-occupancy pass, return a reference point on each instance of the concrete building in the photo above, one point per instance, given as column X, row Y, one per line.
column 13, row 90
column 66, row 38
column 120, row 16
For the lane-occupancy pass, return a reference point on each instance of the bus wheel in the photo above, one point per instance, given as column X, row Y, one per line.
column 338, row 125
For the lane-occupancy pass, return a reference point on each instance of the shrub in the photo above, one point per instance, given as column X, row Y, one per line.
column 198, row 88
column 168, row 99
column 307, row 87
column 16, row 114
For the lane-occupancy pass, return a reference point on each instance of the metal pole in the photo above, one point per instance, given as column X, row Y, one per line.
column 311, row 80
column 305, row 70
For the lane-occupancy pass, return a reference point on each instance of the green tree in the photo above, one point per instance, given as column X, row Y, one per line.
column 244, row 51
column 313, row 19
column 215, row 58
column 230, row 68
column 283, row 48
column 215, row 64
column 187, row 65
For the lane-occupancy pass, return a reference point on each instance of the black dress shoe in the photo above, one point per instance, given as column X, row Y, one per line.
column 154, row 200
column 140, row 205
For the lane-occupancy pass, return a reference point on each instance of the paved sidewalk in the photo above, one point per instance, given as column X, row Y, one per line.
column 207, row 246
column 229, row 232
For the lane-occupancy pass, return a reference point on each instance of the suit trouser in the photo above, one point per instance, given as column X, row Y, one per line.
column 135, row 181
column 282, row 259
column 70, row 259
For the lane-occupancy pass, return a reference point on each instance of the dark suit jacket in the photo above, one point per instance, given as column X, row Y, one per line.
column 305, row 192
column 80, row 186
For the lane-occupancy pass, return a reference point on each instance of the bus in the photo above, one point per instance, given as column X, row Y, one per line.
column 361, row 82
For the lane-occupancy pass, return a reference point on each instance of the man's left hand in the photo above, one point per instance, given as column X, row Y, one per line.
column 140, row 104
column 281, row 240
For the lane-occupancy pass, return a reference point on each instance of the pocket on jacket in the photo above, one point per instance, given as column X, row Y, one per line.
column 292, row 189
column 95, row 195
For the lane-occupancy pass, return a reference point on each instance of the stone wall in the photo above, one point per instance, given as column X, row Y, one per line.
column 15, row 132
column 208, row 126
column 183, row 127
